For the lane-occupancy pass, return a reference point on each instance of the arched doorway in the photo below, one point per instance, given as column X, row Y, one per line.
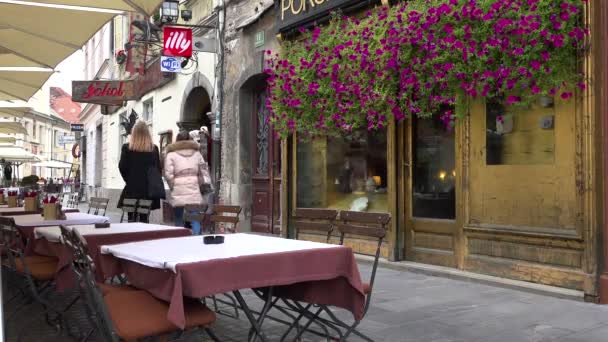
column 194, row 115
column 264, row 151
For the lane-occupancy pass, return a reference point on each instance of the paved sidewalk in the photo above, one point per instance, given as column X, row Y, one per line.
column 411, row 307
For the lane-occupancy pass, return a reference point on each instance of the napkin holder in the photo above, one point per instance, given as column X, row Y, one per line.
column 213, row 239
column 102, row 225
column 12, row 201
column 30, row 204
column 49, row 211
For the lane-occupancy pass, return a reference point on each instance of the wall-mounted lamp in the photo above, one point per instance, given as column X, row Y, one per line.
column 169, row 12
column 186, row 15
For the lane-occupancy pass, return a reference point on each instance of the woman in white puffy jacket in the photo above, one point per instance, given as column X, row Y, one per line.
column 185, row 171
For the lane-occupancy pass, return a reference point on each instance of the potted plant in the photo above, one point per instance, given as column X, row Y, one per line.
column 49, row 210
column 12, row 199
column 31, row 201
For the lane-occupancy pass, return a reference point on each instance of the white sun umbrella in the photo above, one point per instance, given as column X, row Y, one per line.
column 23, row 83
column 16, row 154
column 147, row 7
column 11, row 127
column 16, row 111
column 32, row 34
column 53, row 164
column 7, row 139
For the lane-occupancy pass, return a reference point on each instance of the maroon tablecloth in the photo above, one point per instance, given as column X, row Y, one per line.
column 64, row 277
column 321, row 276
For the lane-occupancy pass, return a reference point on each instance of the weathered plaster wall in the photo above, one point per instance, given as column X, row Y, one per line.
column 242, row 62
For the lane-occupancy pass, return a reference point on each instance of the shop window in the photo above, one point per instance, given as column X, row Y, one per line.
column 346, row 173
column 434, row 171
column 520, row 136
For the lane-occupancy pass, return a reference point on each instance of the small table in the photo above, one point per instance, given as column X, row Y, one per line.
column 27, row 223
column 48, row 242
column 6, row 211
column 301, row 270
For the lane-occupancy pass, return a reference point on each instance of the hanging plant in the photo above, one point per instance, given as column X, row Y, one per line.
column 421, row 55
column 121, row 57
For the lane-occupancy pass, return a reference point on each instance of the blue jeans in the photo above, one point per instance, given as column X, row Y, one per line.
column 178, row 213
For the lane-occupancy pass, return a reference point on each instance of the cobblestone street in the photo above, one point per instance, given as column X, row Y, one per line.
column 406, row 307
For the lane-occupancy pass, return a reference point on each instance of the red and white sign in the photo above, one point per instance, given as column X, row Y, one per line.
column 177, row 42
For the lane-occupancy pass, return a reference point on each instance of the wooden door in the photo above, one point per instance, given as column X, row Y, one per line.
column 266, row 180
column 427, row 191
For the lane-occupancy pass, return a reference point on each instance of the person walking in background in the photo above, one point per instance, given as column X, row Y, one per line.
column 186, row 172
column 140, row 168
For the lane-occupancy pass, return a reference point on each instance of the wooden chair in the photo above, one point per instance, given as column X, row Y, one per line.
column 225, row 215
column 195, row 213
column 114, row 311
column 315, row 220
column 92, row 204
column 144, row 208
column 129, row 205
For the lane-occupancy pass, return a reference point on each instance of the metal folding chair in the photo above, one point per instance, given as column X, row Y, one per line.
column 129, row 205
column 315, row 220
column 225, row 215
column 36, row 272
column 114, row 311
column 196, row 213
column 143, row 210
column 92, row 205
column 100, row 204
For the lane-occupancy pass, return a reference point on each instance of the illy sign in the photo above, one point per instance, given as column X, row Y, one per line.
column 177, row 42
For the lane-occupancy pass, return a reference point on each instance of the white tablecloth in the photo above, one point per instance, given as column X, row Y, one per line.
column 167, row 253
column 36, row 220
column 54, row 233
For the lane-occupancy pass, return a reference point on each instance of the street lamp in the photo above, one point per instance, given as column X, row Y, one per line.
column 169, row 12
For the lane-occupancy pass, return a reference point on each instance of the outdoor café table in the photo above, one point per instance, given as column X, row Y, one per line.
column 172, row 269
column 48, row 242
column 6, row 211
column 27, row 223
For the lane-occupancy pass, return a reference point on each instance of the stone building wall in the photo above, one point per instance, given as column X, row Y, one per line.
column 244, row 65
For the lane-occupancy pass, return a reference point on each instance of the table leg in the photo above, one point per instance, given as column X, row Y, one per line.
column 249, row 315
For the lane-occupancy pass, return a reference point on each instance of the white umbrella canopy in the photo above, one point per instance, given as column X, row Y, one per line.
column 7, row 139
column 12, row 153
column 20, row 54
column 10, row 127
column 147, row 7
column 22, row 84
column 53, row 164
column 13, row 111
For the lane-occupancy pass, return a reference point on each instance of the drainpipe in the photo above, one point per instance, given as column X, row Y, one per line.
column 219, row 100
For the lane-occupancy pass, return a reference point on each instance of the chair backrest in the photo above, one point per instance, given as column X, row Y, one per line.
column 93, row 202
column 227, row 215
column 98, row 204
column 144, row 208
column 364, row 224
column 195, row 213
column 12, row 242
column 84, row 268
column 316, row 220
column 129, row 205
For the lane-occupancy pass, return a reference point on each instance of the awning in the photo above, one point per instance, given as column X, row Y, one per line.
column 12, row 153
column 64, row 30
column 10, row 127
column 22, row 84
column 7, row 139
column 147, row 7
column 13, row 111
column 53, row 164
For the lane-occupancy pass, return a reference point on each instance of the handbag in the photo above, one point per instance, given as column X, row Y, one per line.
column 156, row 187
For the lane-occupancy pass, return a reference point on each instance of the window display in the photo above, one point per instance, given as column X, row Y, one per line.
column 346, row 173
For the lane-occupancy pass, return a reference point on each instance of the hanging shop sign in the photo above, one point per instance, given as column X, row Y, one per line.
column 177, row 41
column 170, row 64
column 76, row 127
column 103, row 92
column 66, row 139
column 295, row 13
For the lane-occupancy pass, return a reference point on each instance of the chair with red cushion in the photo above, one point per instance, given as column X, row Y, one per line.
column 131, row 314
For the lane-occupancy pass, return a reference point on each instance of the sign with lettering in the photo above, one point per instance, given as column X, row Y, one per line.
column 104, row 92
column 294, row 13
column 66, row 139
column 177, row 41
column 76, row 127
column 170, row 64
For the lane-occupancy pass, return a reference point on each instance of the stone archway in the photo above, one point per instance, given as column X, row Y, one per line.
column 197, row 97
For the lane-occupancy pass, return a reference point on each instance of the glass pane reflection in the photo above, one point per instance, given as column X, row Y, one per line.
column 434, row 174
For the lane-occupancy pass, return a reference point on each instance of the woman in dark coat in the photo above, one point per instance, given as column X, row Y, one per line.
column 137, row 158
